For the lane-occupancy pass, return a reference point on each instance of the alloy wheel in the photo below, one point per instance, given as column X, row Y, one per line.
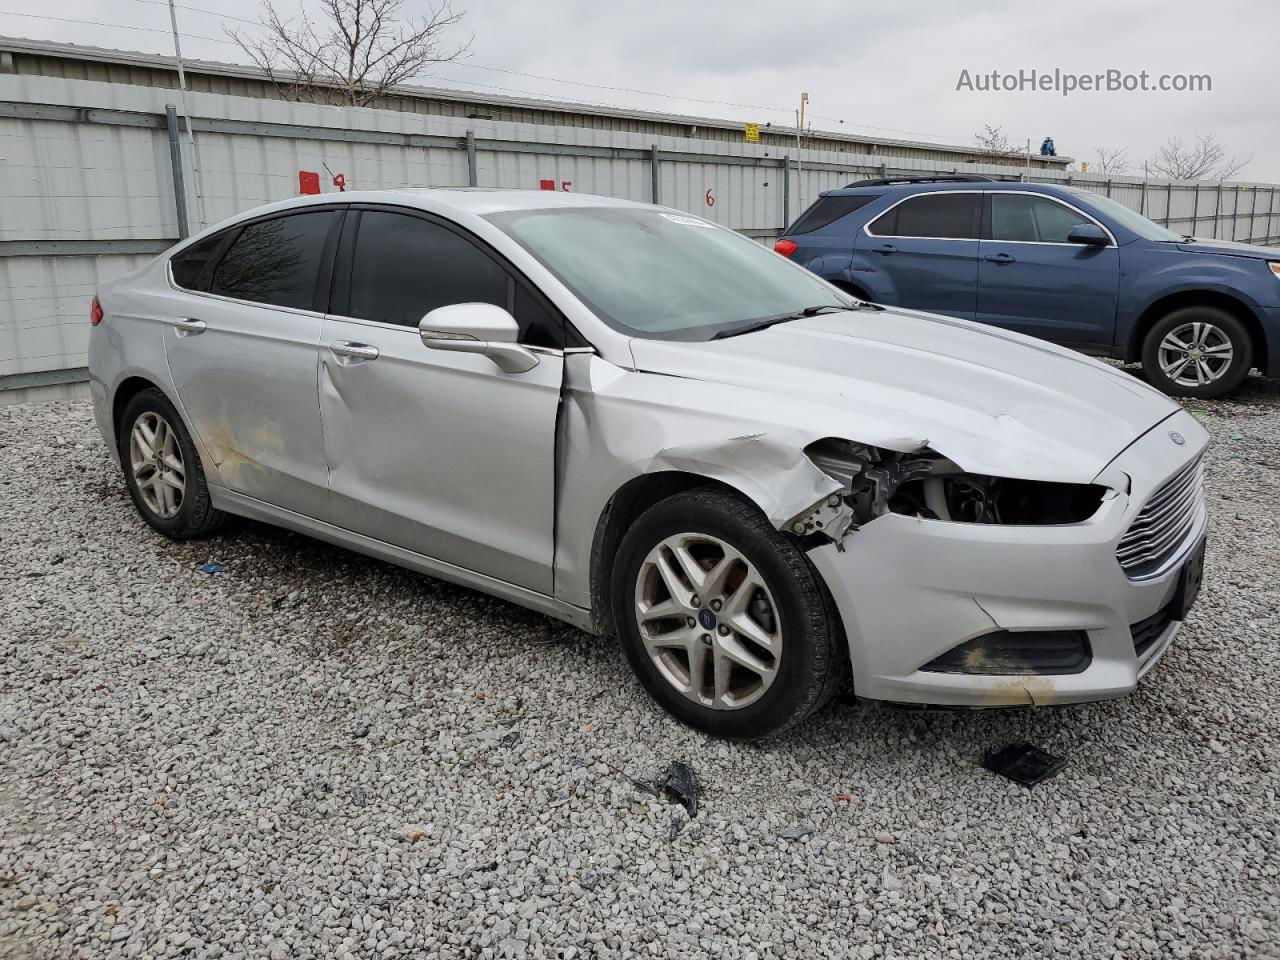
column 708, row 621
column 155, row 457
column 1195, row 354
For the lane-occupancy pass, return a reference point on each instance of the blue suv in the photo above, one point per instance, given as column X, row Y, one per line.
column 1055, row 262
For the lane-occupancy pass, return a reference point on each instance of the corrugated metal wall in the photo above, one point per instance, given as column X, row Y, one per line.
column 86, row 185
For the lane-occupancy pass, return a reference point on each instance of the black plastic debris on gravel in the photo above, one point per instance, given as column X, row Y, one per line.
column 1024, row 763
column 679, row 784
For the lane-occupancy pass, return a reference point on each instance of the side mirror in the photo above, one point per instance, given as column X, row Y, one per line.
column 477, row 328
column 1089, row 234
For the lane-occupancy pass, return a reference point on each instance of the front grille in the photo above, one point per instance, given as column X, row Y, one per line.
column 1148, row 631
column 1161, row 528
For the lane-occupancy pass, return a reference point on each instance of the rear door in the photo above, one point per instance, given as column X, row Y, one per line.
column 440, row 453
column 241, row 344
column 1030, row 279
column 926, row 250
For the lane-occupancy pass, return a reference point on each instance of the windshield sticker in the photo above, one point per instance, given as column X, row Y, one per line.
column 688, row 221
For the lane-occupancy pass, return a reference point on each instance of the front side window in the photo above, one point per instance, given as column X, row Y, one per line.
column 404, row 267
column 944, row 216
column 665, row 276
column 1031, row 219
column 275, row 262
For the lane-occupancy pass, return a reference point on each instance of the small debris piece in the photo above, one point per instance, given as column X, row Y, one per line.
column 677, row 824
column 844, row 798
column 1024, row 763
column 679, row 784
column 358, row 796
column 886, row 838
column 211, row 568
column 361, row 731
column 1237, row 436
column 798, row 831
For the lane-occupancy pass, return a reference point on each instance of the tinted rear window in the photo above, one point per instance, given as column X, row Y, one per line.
column 828, row 210
column 943, row 215
column 276, row 262
column 189, row 266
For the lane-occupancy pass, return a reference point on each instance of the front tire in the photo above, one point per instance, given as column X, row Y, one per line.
column 1197, row 352
column 162, row 469
column 723, row 618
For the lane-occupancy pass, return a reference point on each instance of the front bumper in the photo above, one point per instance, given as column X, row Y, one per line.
column 908, row 590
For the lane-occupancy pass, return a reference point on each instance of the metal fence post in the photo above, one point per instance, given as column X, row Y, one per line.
column 1217, row 209
column 175, row 161
column 473, row 179
column 654, row 191
column 1271, row 206
column 1168, row 203
column 1195, row 210
column 786, row 193
column 1142, row 204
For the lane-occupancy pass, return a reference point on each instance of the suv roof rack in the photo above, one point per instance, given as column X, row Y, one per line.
column 937, row 178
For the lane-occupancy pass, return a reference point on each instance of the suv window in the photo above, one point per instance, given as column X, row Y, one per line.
column 404, row 266
column 951, row 216
column 275, row 261
column 189, row 266
column 828, row 210
column 1031, row 219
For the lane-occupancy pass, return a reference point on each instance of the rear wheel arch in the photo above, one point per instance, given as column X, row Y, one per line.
column 1161, row 308
column 128, row 388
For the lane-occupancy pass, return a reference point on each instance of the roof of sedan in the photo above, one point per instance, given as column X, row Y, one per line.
column 475, row 200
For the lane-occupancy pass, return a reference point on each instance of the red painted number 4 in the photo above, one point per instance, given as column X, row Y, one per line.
column 711, row 198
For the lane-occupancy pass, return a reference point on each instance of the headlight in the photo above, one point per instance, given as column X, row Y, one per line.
column 928, row 485
column 1275, row 267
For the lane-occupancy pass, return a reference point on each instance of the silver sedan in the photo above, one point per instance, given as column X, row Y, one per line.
column 642, row 423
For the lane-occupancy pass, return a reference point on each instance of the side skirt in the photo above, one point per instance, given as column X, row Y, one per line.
column 239, row 504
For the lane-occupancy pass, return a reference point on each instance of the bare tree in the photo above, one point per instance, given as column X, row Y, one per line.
column 1110, row 160
column 992, row 140
column 1207, row 159
column 358, row 51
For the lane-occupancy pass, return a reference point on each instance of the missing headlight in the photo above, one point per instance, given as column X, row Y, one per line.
column 927, row 485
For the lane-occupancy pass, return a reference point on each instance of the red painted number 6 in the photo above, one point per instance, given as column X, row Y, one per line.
column 711, row 200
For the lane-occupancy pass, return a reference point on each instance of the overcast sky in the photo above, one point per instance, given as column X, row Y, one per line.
column 882, row 68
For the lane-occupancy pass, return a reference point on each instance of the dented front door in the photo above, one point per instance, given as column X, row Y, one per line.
column 441, row 453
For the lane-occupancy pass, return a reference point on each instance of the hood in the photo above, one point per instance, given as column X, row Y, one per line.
column 994, row 402
column 1230, row 248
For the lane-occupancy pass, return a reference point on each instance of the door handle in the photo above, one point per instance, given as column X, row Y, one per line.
column 1000, row 258
column 886, row 249
column 188, row 327
column 357, row 351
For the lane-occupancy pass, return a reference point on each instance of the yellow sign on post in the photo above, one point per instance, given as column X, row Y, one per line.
column 751, row 132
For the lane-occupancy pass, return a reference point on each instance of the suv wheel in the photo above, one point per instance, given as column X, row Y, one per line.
column 1197, row 352
column 162, row 469
column 723, row 618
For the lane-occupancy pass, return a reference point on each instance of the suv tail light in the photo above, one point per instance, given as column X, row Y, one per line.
column 95, row 313
column 785, row 247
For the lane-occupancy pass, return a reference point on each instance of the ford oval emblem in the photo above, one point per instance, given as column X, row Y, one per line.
column 1177, row 438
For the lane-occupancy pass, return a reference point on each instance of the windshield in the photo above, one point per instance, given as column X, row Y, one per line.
column 1129, row 219
column 666, row 276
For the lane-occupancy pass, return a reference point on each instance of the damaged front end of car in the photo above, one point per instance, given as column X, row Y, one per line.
column 925, row 484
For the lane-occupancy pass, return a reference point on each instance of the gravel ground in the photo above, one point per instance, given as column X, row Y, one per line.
column 314, row 754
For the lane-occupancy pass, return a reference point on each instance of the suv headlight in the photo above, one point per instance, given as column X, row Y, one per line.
column 928, row 485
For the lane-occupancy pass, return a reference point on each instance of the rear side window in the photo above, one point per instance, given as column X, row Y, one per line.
column 828, row 210
column 276, row 261
column 949, row 216
column 189, row 267
column 1030, row 219
column 403, row 267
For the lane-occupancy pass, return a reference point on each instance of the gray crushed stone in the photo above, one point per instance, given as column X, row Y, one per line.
column 317, row 755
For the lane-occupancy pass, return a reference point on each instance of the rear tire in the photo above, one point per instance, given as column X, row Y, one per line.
column 162, row 469
column 766, row 642
column 1197, row 352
